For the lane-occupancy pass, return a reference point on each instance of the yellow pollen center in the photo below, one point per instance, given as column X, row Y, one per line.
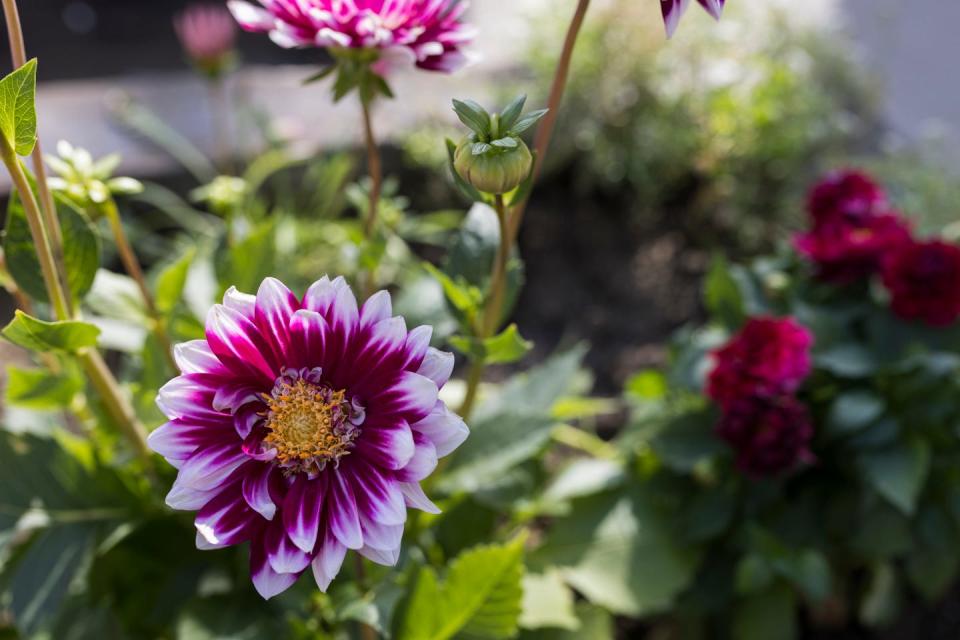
column 306, row 422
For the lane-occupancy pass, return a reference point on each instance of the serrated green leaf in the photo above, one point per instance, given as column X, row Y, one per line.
column 18, row 115
column 81, row 250
column 481, row 597
column 509, row 346
column 172, row 281
column 473, row 116
column 40, row 389
column 38, row 335
column 511, row 113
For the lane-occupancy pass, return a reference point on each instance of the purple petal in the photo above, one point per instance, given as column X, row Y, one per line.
column 445, row 429
column 422, row 464
column 172, row 443
column 301, row 511
column 275, row 306
column 184, row 498
column 415, row 497
column 266, row 581
column 185, row 397
column 378, row 496
column 376, row 308
column 238, row 344
column 308, row 337
column 227, row 520
column 342, row 512
column 386, row 557
column 417, row 346
column 437, row 365
column 713, row 7
column 327, row 563
column 379, row 535
column 408, row 394
column 256, row 491
column 196, row 357
column 209, row 467
column 282, row 554
column 673, row 10
column 388, row 448
column 243, row 303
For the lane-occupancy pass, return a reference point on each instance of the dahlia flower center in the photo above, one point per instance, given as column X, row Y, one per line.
column 309, row 423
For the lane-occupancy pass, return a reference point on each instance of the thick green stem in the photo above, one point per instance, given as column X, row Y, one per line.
column 114, row 402
column 18, row 54
column 493, row 309
column 48, row 266
column 375, row 170
column 131, row 265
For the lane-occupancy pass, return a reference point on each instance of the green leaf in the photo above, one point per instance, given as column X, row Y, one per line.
column 38, row 335
column 246, row 263
column 464, row 298
column 880, row 605
column 505, row 143
column 722, row 295
column 898, row 473
column 767, row 615
column 528, row 121
column 505, row 348
column 229, row 618
column 511, row 113
column 480, row 598
column 473, row 116
column 172, row 280
column 18, row 115
column 853, row 411
column 647, row 385
column 847, row 360
column 81, row 250
column 753, row 574
column 687, row 440
column 547, row 602
column 40, row 389
column 42, row 577
column 620, row 551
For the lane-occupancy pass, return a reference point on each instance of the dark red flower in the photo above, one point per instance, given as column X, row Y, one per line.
column 770, row 435
column 845, row 195
column 924, row 281
column 769, row 357
column 849, row 248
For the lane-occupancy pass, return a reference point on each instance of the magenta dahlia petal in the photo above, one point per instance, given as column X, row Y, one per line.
column 267, row 582
column 257, row 492
column 304, row 427
column 427, row 33
column 302, row 511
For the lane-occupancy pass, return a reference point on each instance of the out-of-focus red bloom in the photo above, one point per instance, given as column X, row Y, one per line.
column 769, row 357
column 673, row 10
column 848, row 248
column 770, row 434
column 845, row 196
column 207, row 33
column 924, row 282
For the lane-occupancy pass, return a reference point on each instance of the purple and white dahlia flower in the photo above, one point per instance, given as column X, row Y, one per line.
column 427, row 33
column 305, row 427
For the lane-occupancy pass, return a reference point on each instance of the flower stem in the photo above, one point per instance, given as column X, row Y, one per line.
column 375, row 170
column 541, row 143
column 366, row 631
column 18, row 54
column 493, row 309
column 100, row 376
column 131, row 265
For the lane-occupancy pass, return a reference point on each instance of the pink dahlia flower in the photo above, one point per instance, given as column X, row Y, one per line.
column 673, row 10
column 427, row 33
column 305, row 427
column 769, row 357
column 770, row 435
column 207, row 34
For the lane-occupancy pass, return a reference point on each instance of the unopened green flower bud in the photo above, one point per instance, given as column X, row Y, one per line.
column 493, row 158
column 224, row 195
column 498, row 171
column 86, row 182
